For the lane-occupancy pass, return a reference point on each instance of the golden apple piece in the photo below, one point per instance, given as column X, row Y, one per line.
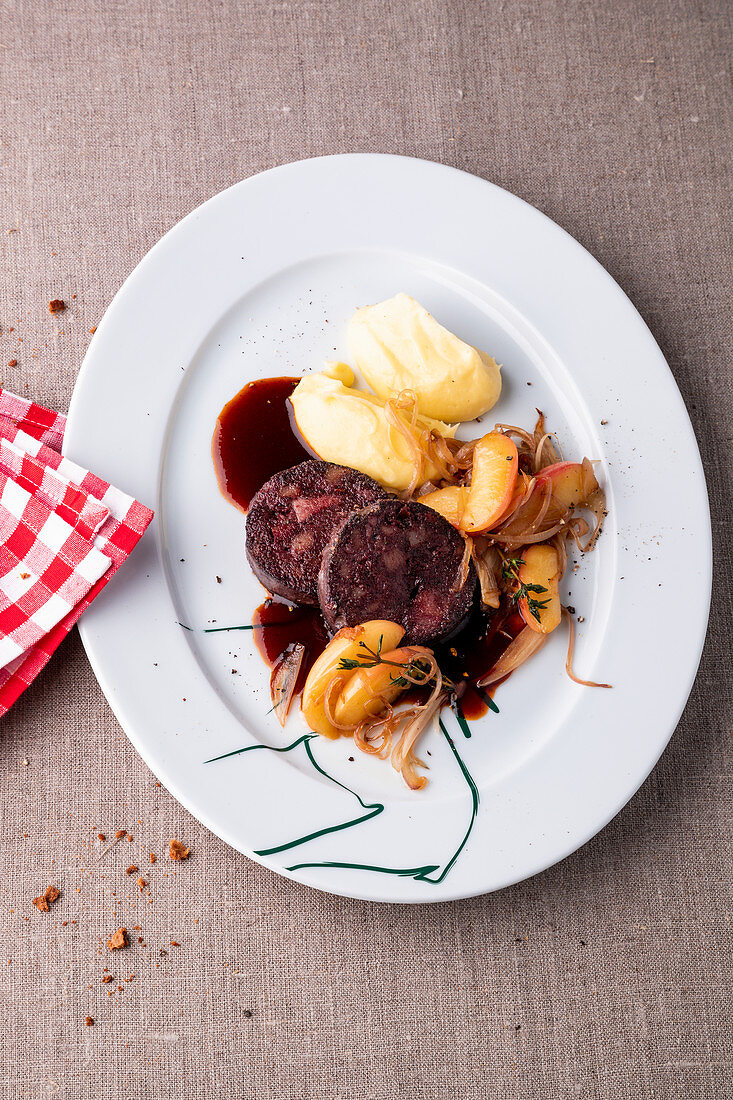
column 450, row 502
column 572, row 482
column 347, row 645
column 541, row 570
column 369, row 690
column 495, row 466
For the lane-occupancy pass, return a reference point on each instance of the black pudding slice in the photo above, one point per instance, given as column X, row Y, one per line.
column 292, row 518
column 400, row 561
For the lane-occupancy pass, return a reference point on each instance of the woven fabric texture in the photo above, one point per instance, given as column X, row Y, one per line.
column 608, row 976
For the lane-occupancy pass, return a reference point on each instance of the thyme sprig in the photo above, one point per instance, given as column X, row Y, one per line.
column 510, row 573
column 414, row 668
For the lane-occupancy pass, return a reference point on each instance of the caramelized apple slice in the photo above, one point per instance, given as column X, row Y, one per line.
column 541, row 576
column 520, row 488
column 369, row 690
column 345, row 645
column 572, row 482
column 495, row 464
column 450, row 502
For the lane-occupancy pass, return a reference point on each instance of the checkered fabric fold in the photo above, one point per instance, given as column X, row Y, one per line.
column 63, row 534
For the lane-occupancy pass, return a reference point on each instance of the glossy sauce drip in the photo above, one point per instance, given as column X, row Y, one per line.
column 473, row 652
column 278, row 626
column 254, row 439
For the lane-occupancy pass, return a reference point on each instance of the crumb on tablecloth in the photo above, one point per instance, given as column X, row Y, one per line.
column 178, row 851
column 47, row 898
column 118, row 939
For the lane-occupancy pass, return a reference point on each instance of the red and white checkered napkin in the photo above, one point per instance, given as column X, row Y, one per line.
column 63, row 533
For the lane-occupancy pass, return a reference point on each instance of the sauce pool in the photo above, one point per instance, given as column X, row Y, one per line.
column 473, row 652
column 278, row 626
column 254, row 439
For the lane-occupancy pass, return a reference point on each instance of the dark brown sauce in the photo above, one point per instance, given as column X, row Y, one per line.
column 473, row 652
column 254, row 439
column 280, row 625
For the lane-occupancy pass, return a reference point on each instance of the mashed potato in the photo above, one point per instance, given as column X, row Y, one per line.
column 349, row 427
column 398, row 345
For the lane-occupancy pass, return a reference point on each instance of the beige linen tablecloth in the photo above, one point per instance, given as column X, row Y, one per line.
column 606, row 975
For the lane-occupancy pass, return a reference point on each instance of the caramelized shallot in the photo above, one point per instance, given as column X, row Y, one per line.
column 403, row 759
column 539, row 518
column 524, row 646
column 283, row 680
column 545, row 453
column 488, row 569
column 596, row 503
column 393, row 409
column 569, row 659
column 465, row 565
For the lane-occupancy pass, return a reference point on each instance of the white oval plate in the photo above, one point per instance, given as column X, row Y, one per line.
column 261, row 281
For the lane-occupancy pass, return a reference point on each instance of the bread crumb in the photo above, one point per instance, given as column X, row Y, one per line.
column 56, row 305
column 118, row 939
column 178, row 851
column 48, row 897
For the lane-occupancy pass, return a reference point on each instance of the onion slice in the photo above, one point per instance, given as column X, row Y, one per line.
column 462, row 453
column 488, row 569
column 465, row 565
column 509, row 542
column 403, row 759
column 524, row 646
column 394, row 407
column 569, row 658
column 538, row 518
column 545, row 453
column 526, row 437
column 374, row 735
column 283, row 680
column 596, row 503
